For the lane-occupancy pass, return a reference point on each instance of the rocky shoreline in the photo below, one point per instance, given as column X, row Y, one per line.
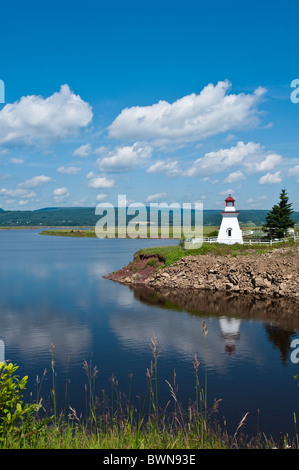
column 275, row 273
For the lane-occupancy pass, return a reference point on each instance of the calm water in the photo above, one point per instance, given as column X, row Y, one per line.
column 52, row 291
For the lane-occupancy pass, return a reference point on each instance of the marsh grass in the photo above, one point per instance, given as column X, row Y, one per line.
column 115, row 422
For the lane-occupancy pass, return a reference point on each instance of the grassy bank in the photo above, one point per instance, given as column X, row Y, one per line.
column 172, row 254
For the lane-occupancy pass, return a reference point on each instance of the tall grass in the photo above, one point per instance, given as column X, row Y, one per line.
column 116, row 422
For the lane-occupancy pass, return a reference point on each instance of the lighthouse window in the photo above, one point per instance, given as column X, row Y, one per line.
column 229, row 232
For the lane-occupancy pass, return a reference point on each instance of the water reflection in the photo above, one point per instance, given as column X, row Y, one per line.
column 279, row 316
column 32, row 335
column 281, row 339
column 52, row 291
column 230, row 332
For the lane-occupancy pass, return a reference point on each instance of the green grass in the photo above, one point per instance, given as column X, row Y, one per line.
column 70, row 233
column 172, row 254
column 207, row 231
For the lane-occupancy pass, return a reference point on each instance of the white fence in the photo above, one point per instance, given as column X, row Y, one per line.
column 294, row 238
column 250, row 241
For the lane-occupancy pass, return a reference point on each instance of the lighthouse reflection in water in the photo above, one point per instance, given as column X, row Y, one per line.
column 230, row 332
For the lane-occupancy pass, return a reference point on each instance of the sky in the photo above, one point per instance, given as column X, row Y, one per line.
column 160, row 101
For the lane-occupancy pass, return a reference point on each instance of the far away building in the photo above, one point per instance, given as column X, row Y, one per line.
column 230, row 231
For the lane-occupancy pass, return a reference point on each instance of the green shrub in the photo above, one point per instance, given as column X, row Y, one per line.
column 13, row 411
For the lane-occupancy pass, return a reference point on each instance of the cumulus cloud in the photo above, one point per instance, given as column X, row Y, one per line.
column 17, row 161
column 60, row 191
column 271, row 178
column 251, row 156
column 217, row 161
column 68, row 170
column 98, row 182
column 37, row 120
column 23, row 202
column 234, row 176
column 170, row 167
column 294, row 171
column 268, row 162
column 83, row 151
column 60, row 194
column 35, row 181
column 100, row 150
column 100, row 197
column 125, row 158
column 191, row 118
column 24, row 193
column 155, row 197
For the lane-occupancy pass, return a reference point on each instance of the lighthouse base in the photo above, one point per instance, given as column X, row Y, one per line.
column 230, row 241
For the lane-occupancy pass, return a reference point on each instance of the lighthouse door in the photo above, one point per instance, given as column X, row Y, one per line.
column 229, row 232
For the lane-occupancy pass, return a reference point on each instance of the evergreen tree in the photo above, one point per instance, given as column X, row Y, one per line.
column 278, row 220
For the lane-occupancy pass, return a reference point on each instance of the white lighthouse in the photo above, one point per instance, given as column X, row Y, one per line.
column 230, row 231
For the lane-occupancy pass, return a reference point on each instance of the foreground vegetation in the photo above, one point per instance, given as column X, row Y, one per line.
column 114, row 422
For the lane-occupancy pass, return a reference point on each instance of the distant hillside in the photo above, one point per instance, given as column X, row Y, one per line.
column 85, row 216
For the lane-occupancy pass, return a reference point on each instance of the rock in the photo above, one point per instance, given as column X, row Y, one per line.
column 229, row 286
column 165, row 275
column 258, row 282
column 268, row 274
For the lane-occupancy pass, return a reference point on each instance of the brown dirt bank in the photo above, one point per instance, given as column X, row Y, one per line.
column 275, row 273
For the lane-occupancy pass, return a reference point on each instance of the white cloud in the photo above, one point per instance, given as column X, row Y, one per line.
column 271, row 178
column 100, row 150
column 35, row 181
column 69, row 170
column 256, row 201
column 191, row 118
column 170, row 167
column 217, row 161
column 227, row 192
column 100, row 197
column 268, row 163
column 24, row 193
column 83, row 151
column 294, row 172
column 155, row 197
column 35, row 120
column 17, row 161
column 234, row 176
column 60, row 191
column 60, row 194
column 251, row 156
column 125, row 158
column 101, row 182
column 23, row 202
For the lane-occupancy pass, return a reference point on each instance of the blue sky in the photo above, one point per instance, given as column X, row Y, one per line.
column 161, row 101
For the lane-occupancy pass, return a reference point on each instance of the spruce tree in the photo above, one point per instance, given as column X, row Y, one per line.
column 278, row 220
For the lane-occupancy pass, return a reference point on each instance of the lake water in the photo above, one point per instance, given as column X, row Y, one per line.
column 52, row 291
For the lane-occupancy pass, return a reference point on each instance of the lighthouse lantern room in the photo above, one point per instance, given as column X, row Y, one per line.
column 230, row 231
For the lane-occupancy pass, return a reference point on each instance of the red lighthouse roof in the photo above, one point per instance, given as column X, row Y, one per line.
column 229, row 199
